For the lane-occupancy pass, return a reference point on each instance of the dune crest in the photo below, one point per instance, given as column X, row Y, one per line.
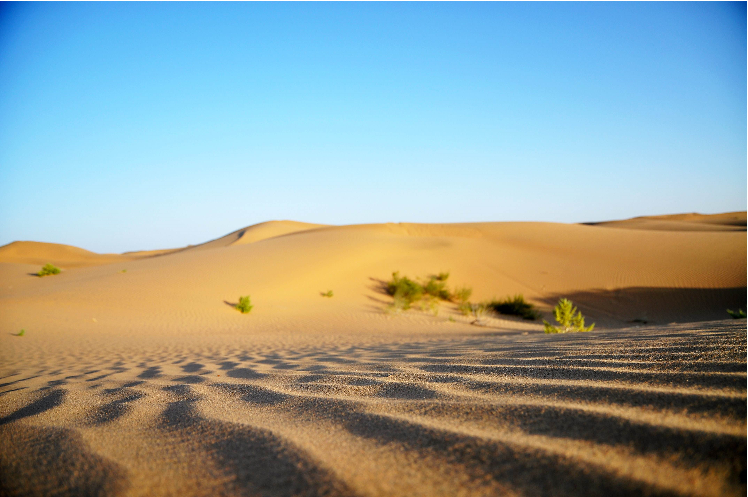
column 256, row 233
column 728, row 221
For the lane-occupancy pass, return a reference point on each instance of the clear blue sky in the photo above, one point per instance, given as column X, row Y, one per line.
column 128, row 126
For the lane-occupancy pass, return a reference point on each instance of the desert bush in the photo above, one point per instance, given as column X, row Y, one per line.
column 327, row 294
column 515, row 306
column 739, row 314
column 21, row 333
column 244, row 305
column 48, row 270
column 404, row 290
column 568, row 317
column 436, row 286
column 462, row 294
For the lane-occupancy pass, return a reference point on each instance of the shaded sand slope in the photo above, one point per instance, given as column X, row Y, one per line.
column 648, row 411
column 728, row 221
column 615, row 275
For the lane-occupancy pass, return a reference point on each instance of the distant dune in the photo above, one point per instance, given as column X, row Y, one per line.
column 135, row 374
column 728, row 221
column 617, row 276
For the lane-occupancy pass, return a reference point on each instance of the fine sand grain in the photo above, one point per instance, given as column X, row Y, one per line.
column 136, row 376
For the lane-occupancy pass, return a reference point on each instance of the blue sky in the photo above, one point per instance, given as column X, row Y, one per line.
column 127, row 126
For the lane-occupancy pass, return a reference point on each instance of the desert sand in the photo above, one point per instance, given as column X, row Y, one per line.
column 137, row 376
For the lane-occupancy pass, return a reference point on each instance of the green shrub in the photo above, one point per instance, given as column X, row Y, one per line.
column 739, row 314
column 48, row 270
column 465, row 308
column 21, row 333
column 244, row 305
column 404, row 290
column 436, row 286
column 327, row 294
column 568, row 317
column 515, row 306
column 462, row 294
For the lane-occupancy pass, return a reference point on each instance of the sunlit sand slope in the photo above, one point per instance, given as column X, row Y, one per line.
column 653, row 411
column 65, row 256
column 616, row 276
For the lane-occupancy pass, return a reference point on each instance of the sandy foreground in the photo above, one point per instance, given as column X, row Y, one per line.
column 136, row 376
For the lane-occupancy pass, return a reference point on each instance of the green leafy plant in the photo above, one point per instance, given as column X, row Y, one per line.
column 404, row 291
column 21, row 333
column 568, row 317
column 436, row 286
column 48, row 270
column 327, row 294
column 739, row 314
column 244, row 305
column 515, row 306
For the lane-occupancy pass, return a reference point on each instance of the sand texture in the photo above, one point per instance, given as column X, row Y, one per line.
column 136, row 375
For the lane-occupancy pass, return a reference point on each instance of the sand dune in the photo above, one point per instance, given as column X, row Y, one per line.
column 137, row 376
column 729, row 221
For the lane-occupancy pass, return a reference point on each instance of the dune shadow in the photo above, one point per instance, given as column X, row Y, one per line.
column 151, row 372
column 55, row 461
column 257, row 461
column 527, row 470
column 115, row 409
column 644, row 305
column 49, row 401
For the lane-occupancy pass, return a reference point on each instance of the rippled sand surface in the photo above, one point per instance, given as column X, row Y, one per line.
column 638, row 411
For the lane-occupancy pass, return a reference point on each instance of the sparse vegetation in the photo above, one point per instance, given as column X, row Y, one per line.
column 404, row 291
column 466, row 308
column 327, row 294
column 244, row 306
column 462, row 294
column 123, row 271
column 568, row 317
column 479, row 312
column 515, row 306
column 48, row 270
column 21, row 333
column 739, row 314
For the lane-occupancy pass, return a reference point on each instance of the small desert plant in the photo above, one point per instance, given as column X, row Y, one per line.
column 465, row 308
column 430, row 304
column 739, row 314
column 21, row 333
column 436, row 286
column 48, row 270
column 123, row 271
column 327, row 294
column 462, row 294
column 479, row 312
column 404, row 290
column 515, row 306
column 244, row 305
column 568, row 317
